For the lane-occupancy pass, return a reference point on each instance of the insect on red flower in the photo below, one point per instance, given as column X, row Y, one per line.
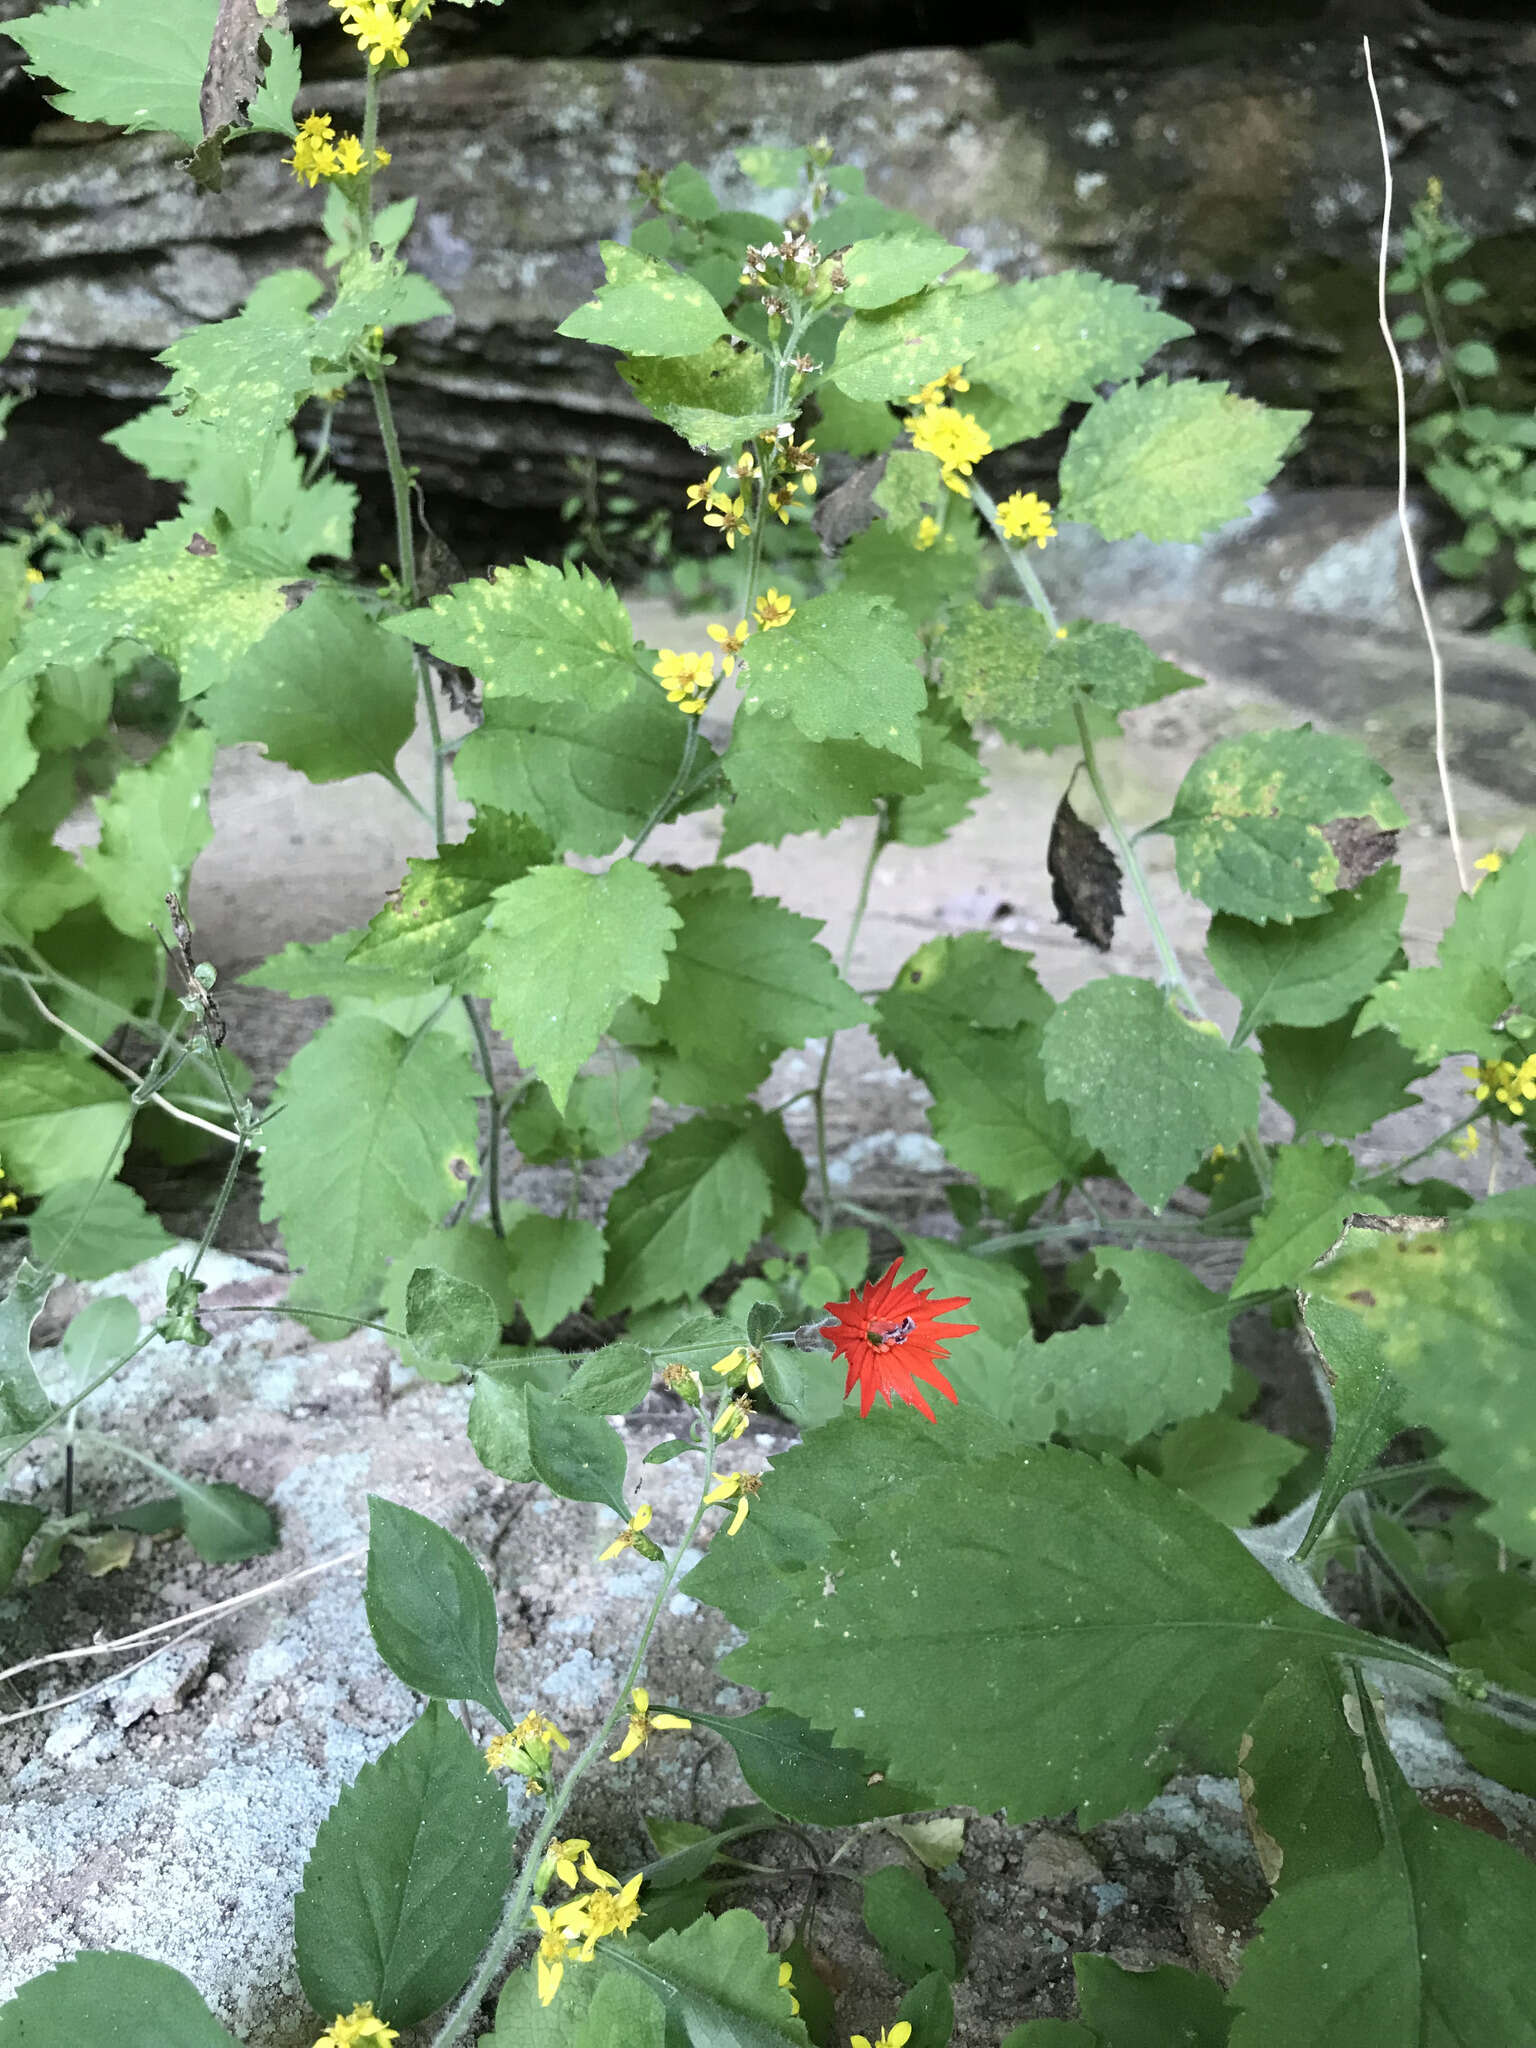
column 889, row 1332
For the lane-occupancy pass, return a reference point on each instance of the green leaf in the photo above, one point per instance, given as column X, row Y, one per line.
column 430, row 1608
column 1249, row 823
column 580, row 1457
column 1335, row 1080
column 1163, row 1358
column 428, row 926
column 1164, row 2007
column 929, row 2010
column 39, row 882
column 1419, row 1294
column 449, row 1320
column 248, row 375
column 890, row 267
column 785, row 783
column 853, row 426
column 1065, row 336
column 556, row 1262
column 1305, row 1211
column 1172, row 461
column 701, row 1199
column 1425, row 1943
column 1366, row 1401
column 1305, row 1796
column 561, row 950
column 772, row 170
column 135, row 64
column 61, row 1119
column 223, row 1523
column 1475, row 359
column 558, row 636
column 325, row 692
column 74, row 705
column 909, row 1926
column 892, row 352
column 844, row 668
column 401, row 1139
column 745, row 981
column 467, row 1251
column 404, row 1885
column 271, row 111
column 994, row 661
column 612, row 1381
column 325, row 969
column 646, row 308
column 604, row 1112
column 624, row 2013
column 498, row 1423
column 885, row 562
column 105, row 1328
column 590, row 779
column 716, row 399
column 87, row 1233
column 1045, row 1570
column 803, row 1774
column 24, row 1403
column 1052, row 2034
column 18, row 756
column 154, row 823
column 1312, row 971
column 1231, row 1468
column 1147, row 1087
column 106, row 1994
column 19, row 1523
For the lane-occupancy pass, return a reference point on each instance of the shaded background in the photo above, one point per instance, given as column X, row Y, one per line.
column 1227, row 165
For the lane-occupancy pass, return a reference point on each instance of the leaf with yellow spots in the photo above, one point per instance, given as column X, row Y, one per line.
column 552, row 635
column 885, row 268
column 646, row 308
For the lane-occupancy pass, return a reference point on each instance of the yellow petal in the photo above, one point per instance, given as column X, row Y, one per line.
column 670, row 1721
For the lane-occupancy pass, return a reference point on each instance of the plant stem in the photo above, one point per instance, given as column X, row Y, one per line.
column 513, row 1920
column 493, row 1155
column 675, row 789
column 877, row 846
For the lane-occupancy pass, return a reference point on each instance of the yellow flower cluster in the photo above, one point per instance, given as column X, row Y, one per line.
column 9, row 1199
column 956, row 439
column 360, row 2025
column 938, row 390
column 318, row 152
column 787, row 466
column 1026, row 517
column 527, row 1750
column 380, row 27
column 643, row 1724
column 570, row 1933
column 1512, row 1086
column 737, row 1486
column 928, row 531
column 892, row 2037
column 688, row 678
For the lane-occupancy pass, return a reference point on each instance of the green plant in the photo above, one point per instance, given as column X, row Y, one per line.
column 1064, row 1531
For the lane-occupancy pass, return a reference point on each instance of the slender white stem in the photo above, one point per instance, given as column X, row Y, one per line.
column 1410, row 546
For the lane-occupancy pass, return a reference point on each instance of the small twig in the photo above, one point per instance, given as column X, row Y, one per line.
column 1410, row 546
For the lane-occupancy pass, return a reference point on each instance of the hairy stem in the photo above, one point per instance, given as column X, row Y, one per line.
column 493, row 1154
column 877, row 846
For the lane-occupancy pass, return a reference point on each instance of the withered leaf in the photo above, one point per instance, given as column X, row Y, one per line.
column 1360, row 847
column 1085, row 878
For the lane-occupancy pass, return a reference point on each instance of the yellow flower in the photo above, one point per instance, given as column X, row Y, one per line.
column 894, row 2037
column 743, row 1361
column 557, row 1941
column 1490, row 863
column 686, row 678
column 705, row 493
column 1511, row 1086
column 378, row 31
column 745, row 465
column 35, row 575
column 773, row 608
column 314, row 153
column 733, row 1418
column 731, row 645
column 527, row 1750
column 736, row 1486
column 643, row 1723
column 605, row 1912
column 935, row 392
column 956, row 439
column 787, row 1983
column 730, row 515
column 928, row 531
column 360, row 2024
column 560, row 1859
column 349, row 156
column 1026, row 517
column 629, row 1536
column 381, row 159
column 780, row 498
column 1465, row 1143
column 9, row 1199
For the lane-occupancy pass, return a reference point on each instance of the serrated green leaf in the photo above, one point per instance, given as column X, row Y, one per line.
column 716, row 399
column 1312, row 971
column 953, row 783
column 995, row 668
column 885, row 562
column 248, row 375
column 589, row 779
column 24, row 1402
column 1164, row 2007
column 612, row 1381
column 890, row 353
column 1332, row 1080
column 700, row 1200
column 135, row 64
column 785, row 783
column 603, row 1113
column 556, row 1262
column 87, row 1233
column 1172, row 461
column 1164, row 1357
column 557, row 636
column 1230, row 1467
column 844, row 668
column 1425, row 1943
column 886, row 268
column 400, row 1124
column 561, row 950
column 327, row 969
column 1065, row 336
column 404, row 1885
column 325, row 692
column 468, row 1251
column 1419, row 1294
column 853, row 426
column 802, row 1774
column 909, row 1926
column 1248, row 822
column 107, row 1994
column 61, row 1119
column 154, row 823
column 271, row 111
column 1148, row 1088
column 1366, row 1403
column 74, row 705
column 578, row 1456
column 646, row 308
column 1046, row 1569
column 1313, row 1192
column 430, row 1609
column 1305, row 1794
column 982, row 1369
column 430, row 924
column 449, row 1320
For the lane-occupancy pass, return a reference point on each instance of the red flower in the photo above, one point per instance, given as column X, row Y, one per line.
column 890, row 1334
